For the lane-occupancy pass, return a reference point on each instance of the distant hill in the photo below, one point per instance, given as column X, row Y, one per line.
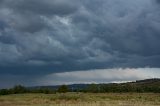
column 55, row 87
column 147, row 85
column 140, row 86
column 148, row 81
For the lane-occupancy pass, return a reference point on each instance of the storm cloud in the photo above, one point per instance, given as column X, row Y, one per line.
column 40, row 37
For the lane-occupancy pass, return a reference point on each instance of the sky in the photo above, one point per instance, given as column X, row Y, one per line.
column 50, row 42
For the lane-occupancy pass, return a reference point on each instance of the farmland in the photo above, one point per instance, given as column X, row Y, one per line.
column 81, row 99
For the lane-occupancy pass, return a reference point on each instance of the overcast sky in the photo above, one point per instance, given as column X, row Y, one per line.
column 53, row 41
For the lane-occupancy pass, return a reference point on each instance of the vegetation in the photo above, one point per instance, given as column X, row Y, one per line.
column 149, row 85
column 15, row 90
column 63, row 89
column 19, row 89
column 81, row 99
column 139, row 93
column 143, row 86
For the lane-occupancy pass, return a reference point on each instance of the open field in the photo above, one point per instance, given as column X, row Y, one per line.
column 82, row 99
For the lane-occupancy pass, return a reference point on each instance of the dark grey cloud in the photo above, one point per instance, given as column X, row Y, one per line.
column 27, row 15
column 157, row 1
column 47, row 7
column 39, row 37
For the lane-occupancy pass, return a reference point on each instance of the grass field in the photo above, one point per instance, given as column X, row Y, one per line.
column 82, row 99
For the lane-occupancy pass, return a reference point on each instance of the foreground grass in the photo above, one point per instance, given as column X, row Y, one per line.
column 82, row 99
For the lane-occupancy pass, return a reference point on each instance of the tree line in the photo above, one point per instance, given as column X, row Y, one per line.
column 139, row 86
column 121, row 88
column 19, row 89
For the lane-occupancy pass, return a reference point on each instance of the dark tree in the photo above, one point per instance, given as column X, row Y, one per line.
column 4, row 92
column 63, row 89
column 18, row 89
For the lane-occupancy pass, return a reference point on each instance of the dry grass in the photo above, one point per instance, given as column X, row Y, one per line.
column 82, row 99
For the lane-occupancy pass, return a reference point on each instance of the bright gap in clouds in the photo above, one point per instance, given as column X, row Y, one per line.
column 100, row 76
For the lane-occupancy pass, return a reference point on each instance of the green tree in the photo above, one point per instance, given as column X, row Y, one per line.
column 18, row 89
column 63, row 89
column 4, row 92
column 94, row 88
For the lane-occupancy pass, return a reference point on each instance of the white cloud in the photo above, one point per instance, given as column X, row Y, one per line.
column 101, row 76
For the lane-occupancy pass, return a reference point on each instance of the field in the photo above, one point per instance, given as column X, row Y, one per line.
column 82, row 99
